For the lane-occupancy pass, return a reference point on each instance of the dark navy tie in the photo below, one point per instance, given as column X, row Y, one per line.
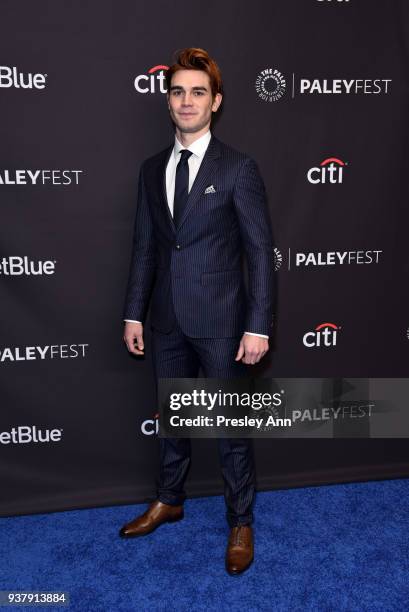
column 181, row 186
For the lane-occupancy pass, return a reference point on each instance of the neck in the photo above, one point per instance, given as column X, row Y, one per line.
column 186, row 138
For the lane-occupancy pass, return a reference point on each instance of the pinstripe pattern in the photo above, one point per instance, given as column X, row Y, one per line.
column 199, row 305
column 175, row 356
column 198, row 265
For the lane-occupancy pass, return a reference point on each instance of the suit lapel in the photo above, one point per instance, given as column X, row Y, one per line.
column 207, row 167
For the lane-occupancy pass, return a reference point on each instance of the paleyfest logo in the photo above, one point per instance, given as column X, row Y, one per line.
column 330, row 170
column 39, row 177
column 324, row 334
column 343, row 86
column 270, row 85
column 325, row 259
column 153, row 81
column 15, row 354
column 336, row 258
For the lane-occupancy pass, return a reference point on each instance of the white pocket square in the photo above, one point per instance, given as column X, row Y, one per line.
column 210, row 189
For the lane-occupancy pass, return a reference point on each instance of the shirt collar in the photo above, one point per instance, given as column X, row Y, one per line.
column 198, row 147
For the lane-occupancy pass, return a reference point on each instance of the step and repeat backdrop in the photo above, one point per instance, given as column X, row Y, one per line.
column 317, row 92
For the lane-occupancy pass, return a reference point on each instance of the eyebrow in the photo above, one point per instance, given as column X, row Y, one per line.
column 197, row 88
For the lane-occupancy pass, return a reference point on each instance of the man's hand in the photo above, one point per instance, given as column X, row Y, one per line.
column 132, row 332
column 251, row 349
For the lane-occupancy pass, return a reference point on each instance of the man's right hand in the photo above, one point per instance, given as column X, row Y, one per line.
column 132, row 332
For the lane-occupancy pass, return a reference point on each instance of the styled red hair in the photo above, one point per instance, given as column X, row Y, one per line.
column 194, row 58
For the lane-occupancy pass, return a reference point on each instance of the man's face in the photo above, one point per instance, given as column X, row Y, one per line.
column 190, row 100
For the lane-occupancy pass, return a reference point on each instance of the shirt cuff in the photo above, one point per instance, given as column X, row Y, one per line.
column 259, row 335
column 133, row 321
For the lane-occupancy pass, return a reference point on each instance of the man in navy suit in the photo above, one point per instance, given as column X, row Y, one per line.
column 201, row 207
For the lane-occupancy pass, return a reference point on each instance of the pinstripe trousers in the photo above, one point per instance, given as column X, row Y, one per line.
column 176, row 355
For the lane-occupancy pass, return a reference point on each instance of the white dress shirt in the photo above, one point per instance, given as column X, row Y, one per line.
column 198, row 148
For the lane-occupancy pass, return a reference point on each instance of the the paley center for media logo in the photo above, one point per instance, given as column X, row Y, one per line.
column 39, row 177
column 26, row 434
column 277, row 259
column 11, row 76
column 153, row 81
column 270, row 85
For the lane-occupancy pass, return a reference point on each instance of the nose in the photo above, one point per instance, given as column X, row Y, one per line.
column 187, row 99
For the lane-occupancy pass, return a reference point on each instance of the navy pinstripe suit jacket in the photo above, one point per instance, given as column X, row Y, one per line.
column 198, row 265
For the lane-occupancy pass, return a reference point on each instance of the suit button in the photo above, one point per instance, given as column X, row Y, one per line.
column 177, row 247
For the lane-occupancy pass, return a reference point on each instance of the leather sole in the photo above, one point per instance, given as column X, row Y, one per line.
column 139, row 535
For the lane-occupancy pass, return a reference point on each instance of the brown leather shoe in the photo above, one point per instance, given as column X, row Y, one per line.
column 240, row 549
column 155, row 515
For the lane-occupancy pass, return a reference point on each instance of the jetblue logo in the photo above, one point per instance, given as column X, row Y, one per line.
column 24, row 434
column 11, row 77
column 23, row 266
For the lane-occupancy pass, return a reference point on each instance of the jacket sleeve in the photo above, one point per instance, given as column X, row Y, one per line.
column 255, row 227
column 143, row 260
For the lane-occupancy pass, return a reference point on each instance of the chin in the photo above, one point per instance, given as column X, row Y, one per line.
column 189, row 129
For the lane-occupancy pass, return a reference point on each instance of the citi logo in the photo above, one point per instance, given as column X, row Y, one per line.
column 26, row 434
column 324, row 334
column 329, row 171
column 150, row 427
column 19, row 266
column 153, row 81
column 10, row 77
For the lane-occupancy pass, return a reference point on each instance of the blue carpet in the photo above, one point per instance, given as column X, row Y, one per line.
column 330, row 548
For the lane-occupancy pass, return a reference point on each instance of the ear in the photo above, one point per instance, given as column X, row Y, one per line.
column 216, row 102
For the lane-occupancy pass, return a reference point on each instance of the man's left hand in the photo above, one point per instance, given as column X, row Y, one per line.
column 251, row 349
